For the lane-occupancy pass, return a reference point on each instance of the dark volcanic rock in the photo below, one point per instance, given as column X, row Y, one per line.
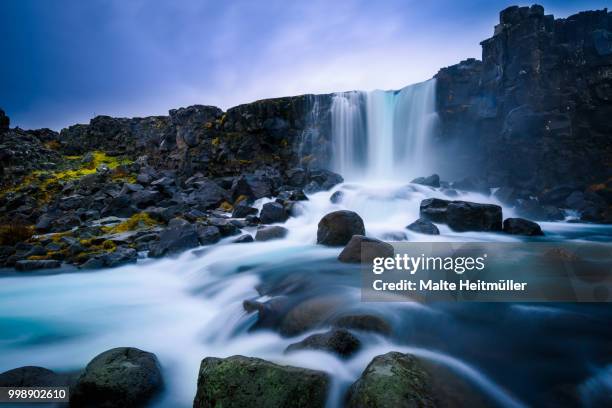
column 269, row 233
column 363, row 322
column 120, row 377
column 363, row 249
column 243, row 239
column 532, row 209
column 424, row 227
column 31, row 376
column 242, row 210
column 392, row 380
column 252, row 186
column 336, row 197
column 432, row 181
column 272, row 213
column 520, row 226
column 176, row 239
column 27, row 265
column 251, row 382
column 338, row 341
column 463, row 215
column 338, row 227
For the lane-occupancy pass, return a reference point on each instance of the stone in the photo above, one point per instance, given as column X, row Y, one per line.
column 363, row 322
column 462, row 215
column 239, row 381
column 521, row 226
column 338, row 227
column 338, row 341
column 32, row 376
column 337, row 197
column 363, row 249
column 432, row 181
column 392, row 380
column 174, row 240
column 243, row 210
column 30, row 265
column 423, row 227
column 272, row 213
column 252, row 186
column 208, row 234
column 120, row 377
column 243, row 239
column 270, row 233
column 434, row 209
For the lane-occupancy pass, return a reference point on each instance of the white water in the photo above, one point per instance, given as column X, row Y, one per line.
column 384, row 135
column 189, row 308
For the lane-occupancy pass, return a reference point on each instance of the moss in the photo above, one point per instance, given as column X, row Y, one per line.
column 240, row 199
column 225, row 206
column 53, row 145
column 136, row 221
column 11, row 234
column 109, row 245
column 215, row 142
column 37, row 257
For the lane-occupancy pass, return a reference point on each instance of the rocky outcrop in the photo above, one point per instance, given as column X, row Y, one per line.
column 362, row 249
column 124, row 376
column 392, row 380
column 533, row 113
column 251, row 382
column 338, row 227
column 462, row 215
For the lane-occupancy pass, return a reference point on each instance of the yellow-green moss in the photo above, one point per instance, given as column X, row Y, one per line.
column 215, row 142
column 10, row 234
column 136, row 221
column 225, row 206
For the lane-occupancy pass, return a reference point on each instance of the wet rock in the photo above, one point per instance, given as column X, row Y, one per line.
column 252, row 186
column 207, row 196
column 120, row 256
column 32, row 376
column 270, row 233
column 506, row 195
column 322, row 180
column 31, row 265
column 521, row 226
column 336, row 197
column 226, row 227
column 308, row 314
column 270, row 313
column 338, row 227
column 242, row 210
column 432, row 181
column 120, row 377
column 175, row 239
column 239, row 381
column 364, row 322
column 292, row 195
column 208, row 234
column 297, row 177
column 363, row 249
column 462, row 215
column 392, row 380
column 434, row 209
column 243, row 239
column 424, row 227
column 272, row 213
column 338, row 341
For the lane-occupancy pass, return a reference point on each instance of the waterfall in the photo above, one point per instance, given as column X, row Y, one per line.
column 384, row 134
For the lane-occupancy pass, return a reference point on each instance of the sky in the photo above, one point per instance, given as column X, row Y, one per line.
column 66, row 61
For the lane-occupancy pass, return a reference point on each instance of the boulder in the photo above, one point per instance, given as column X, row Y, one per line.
column 363, row 249
column 364, row 322
column 338, row 227
column 242, row 210
column 252, row 186
column 462, row 215
column 338, row 341
column 120, row 256
column 521, row 226
column 336, row 197
column 392, row 380
column 243, row 239
column 32, row 376
column 322, row 180
column 272, row 213
column 309, row 314
column 432, row 181
column 31, row 265
column 175, row 239
column 208, row 195
column 120, row 377
column 434, row 209
column 423, row 226
column 270, row 233
column 239, row 381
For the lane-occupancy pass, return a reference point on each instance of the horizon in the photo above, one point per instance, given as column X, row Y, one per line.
column 226, row 56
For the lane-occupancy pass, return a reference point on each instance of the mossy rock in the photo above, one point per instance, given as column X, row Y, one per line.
column 392, row 380
column 251, row 382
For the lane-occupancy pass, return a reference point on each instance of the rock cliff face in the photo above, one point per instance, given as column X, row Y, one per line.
column 535, row 112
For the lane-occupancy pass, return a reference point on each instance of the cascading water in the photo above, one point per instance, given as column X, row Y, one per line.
column 189, row 308
column 384, row 134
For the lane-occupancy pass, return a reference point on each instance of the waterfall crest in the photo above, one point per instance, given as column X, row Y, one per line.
column 384, row 134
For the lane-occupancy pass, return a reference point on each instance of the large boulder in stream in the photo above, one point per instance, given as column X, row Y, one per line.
column 392, row 380
column 521, row 226
column 363, row 249
column 120, row 377
column 338, row 227
column 270, row 233
column 272, row 213
column 240, row 381
column 462, row 216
